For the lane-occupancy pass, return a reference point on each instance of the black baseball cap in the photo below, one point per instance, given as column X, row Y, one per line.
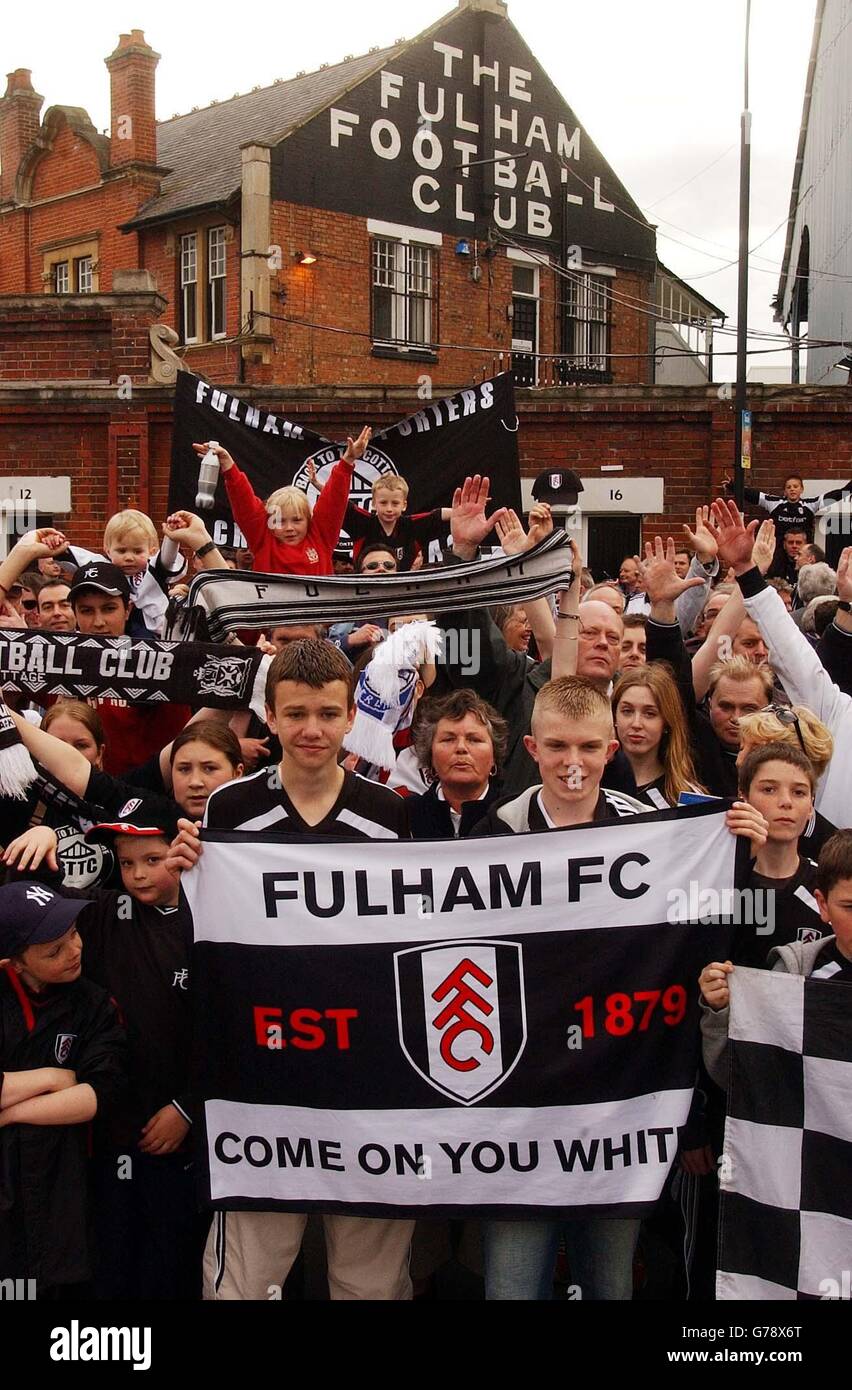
column 100, row 575
column 32, row 915
column 559, row 487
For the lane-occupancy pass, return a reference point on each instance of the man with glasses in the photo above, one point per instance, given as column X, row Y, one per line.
column 477, row 657
column 353, row 639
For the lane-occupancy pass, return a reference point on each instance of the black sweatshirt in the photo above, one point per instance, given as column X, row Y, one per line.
column 141, row 955
column 43, row 1168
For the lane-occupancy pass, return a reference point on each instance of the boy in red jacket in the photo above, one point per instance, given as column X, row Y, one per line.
column 283, row 534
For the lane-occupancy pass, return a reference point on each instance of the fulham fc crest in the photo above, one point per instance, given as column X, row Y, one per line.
column 62, row 1050
column 461, row 1014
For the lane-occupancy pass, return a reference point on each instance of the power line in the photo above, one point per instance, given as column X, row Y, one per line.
column 507, row 352
column 688, row 181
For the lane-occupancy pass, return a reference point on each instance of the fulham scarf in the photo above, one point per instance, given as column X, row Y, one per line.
column 233, row 599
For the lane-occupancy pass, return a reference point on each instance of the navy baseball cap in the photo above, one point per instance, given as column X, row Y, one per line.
column 100, row 575
column 32, row 915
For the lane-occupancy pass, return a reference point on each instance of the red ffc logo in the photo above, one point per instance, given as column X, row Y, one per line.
column 456, row 1015
column 461, row 1014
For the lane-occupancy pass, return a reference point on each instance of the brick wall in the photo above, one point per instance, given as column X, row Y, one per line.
column 117, row 451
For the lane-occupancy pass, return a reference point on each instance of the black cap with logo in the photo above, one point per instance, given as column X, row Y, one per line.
column 102, row 576
column 559, row 487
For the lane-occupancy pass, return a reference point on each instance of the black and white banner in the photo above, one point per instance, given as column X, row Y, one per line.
column 474, row 431
column 505, row 1024
column 73, row 666
column 236, row 599
column 785, row 1229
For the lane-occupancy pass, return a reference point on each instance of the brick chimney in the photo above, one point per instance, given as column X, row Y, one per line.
column 19, row 125
column 133, row 126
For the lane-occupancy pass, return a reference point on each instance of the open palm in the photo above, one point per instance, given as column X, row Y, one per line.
column 468, row 523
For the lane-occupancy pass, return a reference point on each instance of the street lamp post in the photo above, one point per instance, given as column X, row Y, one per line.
column 742, row 277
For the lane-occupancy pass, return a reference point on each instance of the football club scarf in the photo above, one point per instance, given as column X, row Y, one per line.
column 17, row 771
column 232, row 599
column 384, row 695
column 76, row 667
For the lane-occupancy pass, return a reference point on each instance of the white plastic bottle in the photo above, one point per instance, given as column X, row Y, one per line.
column 208, row 477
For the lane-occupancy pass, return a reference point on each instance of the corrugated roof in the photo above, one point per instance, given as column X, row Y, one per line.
column 202, row 148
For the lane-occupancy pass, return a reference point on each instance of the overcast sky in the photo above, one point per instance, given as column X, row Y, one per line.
column 657, row 85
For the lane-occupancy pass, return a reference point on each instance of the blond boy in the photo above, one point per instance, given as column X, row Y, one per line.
column 407, row 533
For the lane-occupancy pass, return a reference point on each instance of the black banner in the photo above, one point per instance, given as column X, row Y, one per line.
column 75, row 667
column 474, row 431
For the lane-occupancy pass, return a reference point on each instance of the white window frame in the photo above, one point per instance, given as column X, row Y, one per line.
column 403, row 236
column 402, row 255
column 65, row 269
column 219, row 259
column 585, row 357
column 189, row 287
column 84, row 267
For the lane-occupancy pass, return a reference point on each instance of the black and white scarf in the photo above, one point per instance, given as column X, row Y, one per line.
column 74, row 666
column 232, row 599
column 17, row 770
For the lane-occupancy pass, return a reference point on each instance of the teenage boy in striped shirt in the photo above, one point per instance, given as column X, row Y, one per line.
column 310, row 708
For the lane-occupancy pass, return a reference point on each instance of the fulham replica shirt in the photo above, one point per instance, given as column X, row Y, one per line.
column 363, row 810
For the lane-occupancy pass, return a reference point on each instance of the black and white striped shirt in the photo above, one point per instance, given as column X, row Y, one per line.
column 363, row 810
column 830, row 964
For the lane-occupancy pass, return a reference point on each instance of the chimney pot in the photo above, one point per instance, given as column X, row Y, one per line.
column 20, row 120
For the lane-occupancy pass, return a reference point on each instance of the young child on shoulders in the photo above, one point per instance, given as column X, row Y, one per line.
column 131, row 544
column 407, row 533
column 285, row 536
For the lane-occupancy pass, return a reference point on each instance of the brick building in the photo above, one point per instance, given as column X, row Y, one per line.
column 430, row 209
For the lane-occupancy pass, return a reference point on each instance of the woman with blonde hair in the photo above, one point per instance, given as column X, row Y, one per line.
column 651, row 727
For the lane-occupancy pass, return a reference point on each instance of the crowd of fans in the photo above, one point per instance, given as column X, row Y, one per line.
column 722, row 668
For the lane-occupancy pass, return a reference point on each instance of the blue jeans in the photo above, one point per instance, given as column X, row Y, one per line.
column 520, row 1257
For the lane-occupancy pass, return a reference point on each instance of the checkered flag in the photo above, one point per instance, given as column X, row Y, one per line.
column 786, row 1209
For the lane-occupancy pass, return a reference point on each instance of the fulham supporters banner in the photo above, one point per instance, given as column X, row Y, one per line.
column 504, row 1024
column 474, row 431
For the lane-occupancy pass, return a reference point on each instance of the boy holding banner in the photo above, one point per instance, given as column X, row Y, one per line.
column 310, row 707
column 571, row 740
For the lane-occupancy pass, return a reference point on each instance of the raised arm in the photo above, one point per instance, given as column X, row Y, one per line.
column 515, row 540
column 791, row 655
column 330, row 507
column 34, row 546
column 703, row 566
column 185, row 528
column 717, row 644
column 62, row 761
column 566, row 642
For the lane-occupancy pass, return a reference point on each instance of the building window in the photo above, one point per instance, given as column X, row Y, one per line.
column 586, row 326
column 216, row 281
column 83, row 267
column 525, row 297
column 189, row 287
column 402, row 294
column 70, row 266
